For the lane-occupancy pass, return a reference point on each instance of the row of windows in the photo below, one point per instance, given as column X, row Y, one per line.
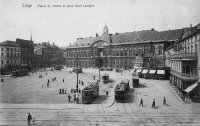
column 11, row 49
column 11, row 55
column 10, row 62
column 122, row 52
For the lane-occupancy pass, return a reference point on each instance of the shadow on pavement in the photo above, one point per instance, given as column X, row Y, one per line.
column 129, row 98
column 141, row 86
column 100, row 99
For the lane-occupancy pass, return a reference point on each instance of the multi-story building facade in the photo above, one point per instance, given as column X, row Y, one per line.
column 37, row 60
column 10, row 54
column 27, row 50
column 121, row 49
column 183, row 58
column 45, row 55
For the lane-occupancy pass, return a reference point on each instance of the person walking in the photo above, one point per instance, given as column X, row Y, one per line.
column 153, row 104
column 107, row 92
column 164, row 101
column 29, row 118
column 141, row 102
column 63, row 80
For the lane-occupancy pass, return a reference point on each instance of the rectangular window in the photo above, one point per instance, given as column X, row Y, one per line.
column 2, row 62
column 7, row 49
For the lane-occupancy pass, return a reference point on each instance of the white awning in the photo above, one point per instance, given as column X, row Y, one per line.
column 152, row 71
column 139, row 70
column 144, row 71
column 160, row 72
column 190, row 88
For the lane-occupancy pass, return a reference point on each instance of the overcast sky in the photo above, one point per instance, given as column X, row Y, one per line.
column 63, row 25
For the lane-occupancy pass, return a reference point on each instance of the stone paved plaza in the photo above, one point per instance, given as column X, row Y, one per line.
column 22, row 95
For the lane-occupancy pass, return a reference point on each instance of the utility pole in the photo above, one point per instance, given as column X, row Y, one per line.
column 77, row 80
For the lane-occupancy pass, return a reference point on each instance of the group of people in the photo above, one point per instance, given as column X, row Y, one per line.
column 62, row 91
column 153, row 103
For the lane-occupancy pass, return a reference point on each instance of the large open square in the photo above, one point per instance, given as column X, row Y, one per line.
column 23, row 95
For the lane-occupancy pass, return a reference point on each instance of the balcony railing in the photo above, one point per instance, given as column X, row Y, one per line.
column 184, row 75
column 185, row 56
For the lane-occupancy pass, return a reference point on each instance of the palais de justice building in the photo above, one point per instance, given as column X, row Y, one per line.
column 120, row 50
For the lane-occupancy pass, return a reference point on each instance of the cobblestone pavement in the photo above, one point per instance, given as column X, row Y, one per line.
column 104, row 111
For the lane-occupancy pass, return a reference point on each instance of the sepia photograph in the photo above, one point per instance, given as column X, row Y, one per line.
column 100, row 62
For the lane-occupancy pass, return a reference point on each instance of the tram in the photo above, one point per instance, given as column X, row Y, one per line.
column 121, row 90
column 90, row 92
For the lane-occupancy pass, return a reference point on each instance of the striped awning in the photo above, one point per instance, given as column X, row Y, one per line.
column 190, row 88
column 144, row 71
column 160, row 72
column 139, row 70
column 152, row 71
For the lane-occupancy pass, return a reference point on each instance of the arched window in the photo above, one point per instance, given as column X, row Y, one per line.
column 188, row 49
column 160, row 50
column 195, row 49
column 152, row 49
column 191, row 48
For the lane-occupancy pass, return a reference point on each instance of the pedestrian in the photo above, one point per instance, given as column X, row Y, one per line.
column 42, row 85
column 94, row 77
column 82, row 83
column 153, row 104
column 47, row 84
column 33, row 120
column 60, row 91
column 69, row 97
column 63, row 80
column 74, row 96
column 164, row 101
column 141, row 102
column 107, row 92
column 79, row 91
column 29, row 118
column 52, row 79
column 48, row 81
column 46, row 73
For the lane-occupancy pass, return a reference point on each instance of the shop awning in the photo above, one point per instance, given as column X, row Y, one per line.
column 152, row 71
column 144, row 71
column 160, row 72
column 139, row 70
column 190, row 88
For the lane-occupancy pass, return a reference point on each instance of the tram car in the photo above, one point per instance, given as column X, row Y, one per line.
column 90, row 92
column 121, row 90
column 19, row 73
column 77, row 70
column 135, row 78
column 105, row 78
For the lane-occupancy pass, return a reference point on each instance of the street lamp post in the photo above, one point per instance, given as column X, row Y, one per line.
column 77, row 80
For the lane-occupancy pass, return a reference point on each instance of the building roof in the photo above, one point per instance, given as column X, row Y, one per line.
column 9, row 43
column 172, row 34
column 150, row 35
column 131, row 37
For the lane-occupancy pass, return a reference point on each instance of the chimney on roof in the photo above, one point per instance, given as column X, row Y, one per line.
column 116, row 33
column 169, row 29
column 152, row 29
column 190, row 25
column 90, row 37
column 97, row 35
